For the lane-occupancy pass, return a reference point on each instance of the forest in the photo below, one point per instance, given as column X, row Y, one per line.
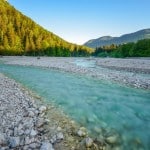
column 138, row 49
column 20, row 35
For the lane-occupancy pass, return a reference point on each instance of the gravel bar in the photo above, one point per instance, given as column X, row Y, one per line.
column 132, row 72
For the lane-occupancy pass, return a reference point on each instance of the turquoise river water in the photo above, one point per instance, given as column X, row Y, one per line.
column 93, row 103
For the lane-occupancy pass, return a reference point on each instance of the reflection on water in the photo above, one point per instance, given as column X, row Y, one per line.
column 99, row 105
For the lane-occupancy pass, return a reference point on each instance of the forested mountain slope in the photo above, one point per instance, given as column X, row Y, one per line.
column 20, row 35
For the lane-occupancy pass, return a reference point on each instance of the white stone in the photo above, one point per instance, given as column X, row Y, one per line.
column 2, row 139
column 42, row 109
column 33, row 133
column 81, row 133
column 31, row 114
column 14, row 142
column 59, row 128
column 60, row 136
column 46, row 146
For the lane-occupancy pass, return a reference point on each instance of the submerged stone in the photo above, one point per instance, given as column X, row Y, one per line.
column 112, row 139
column 88, row 142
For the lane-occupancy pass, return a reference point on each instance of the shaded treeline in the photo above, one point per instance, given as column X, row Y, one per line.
column 138, row 49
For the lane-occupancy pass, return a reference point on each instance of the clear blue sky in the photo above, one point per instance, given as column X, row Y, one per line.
column 80, row 20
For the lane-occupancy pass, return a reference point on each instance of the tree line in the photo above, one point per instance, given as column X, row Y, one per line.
column 138, row 49
column 19, row 35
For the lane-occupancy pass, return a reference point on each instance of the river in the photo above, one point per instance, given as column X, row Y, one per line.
column 101, row 106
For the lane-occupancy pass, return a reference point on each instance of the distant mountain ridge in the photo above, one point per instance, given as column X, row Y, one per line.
column 126, row 38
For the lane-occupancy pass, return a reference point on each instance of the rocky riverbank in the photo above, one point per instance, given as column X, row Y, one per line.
column 26, row 123
column 132, row 72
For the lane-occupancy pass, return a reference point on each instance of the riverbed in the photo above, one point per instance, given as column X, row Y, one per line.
column 131, row 72
column 102, row 106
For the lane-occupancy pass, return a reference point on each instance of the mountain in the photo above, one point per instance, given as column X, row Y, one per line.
column 108, row 40
column 20, row 35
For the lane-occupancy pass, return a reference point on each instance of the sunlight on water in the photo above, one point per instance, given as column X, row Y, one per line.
column 98, row 105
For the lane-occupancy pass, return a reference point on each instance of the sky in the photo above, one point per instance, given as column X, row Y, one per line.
column 78, row 21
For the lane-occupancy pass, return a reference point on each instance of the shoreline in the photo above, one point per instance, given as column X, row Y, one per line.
column 28, row 122
column 129, row 72
column 58, row 130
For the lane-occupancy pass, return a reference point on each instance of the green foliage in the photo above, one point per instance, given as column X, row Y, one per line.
column 139, row 49
column 19, row 35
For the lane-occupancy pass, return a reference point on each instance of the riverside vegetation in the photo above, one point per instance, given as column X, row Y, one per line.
column 138, row 49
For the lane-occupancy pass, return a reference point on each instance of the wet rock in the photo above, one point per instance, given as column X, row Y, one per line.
column 81, row 132
column 42, row 109
column 60, row 136
column 97, row 130
column 46, row 146
column 112, row 139
column 88, row 142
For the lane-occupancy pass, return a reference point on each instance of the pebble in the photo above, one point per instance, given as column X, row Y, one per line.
column 42, row 109
column 31, row 114
column 46, row 146
column 33, row 133
column 88, row 142
column 40, row 122
column 81, row 132
column 59, row 128
column 2, row 139
column 14, row 142
column 60, row 136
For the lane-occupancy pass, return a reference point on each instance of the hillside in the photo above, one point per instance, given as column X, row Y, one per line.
column 108, row 40
column 20, row 35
